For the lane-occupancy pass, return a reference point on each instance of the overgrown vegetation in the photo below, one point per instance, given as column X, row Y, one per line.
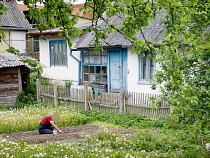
column 155, row 138
column 28, row 95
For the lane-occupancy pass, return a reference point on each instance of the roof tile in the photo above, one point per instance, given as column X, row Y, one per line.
column 13, row 17
column 10, row 60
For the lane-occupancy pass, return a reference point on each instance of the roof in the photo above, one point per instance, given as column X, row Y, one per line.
column 13, row 17
column 10, row 60
column 58, row 30
column 115, row 39
column 75, row 12
column 23, row 7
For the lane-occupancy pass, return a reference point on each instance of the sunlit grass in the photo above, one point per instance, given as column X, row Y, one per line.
column 28, row 118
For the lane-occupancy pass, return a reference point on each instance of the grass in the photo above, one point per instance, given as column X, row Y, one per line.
column 155, row 138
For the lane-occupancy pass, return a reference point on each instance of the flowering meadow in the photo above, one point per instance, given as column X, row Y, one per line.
column 154, row 139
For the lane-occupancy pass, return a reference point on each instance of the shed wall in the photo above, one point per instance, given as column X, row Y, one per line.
column 9, row 87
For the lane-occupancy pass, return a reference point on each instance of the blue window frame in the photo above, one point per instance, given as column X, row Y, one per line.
column 58, row 53
column 94, row 67
column 146, row 69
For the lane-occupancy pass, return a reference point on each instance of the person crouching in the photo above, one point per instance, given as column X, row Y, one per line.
column 47, row 124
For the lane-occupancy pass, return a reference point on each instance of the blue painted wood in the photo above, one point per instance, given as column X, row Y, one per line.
column 117, row 66
column 58, row 53
column 115, row 70
column 125, row 68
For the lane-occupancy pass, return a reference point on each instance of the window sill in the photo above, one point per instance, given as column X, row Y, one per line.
column 145, row 82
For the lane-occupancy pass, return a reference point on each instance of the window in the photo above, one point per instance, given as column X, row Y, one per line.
column 36, row 43
column 146, row 68
column 95, row 67
column 58, row 53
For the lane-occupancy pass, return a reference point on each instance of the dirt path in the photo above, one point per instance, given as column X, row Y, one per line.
column 71, row 134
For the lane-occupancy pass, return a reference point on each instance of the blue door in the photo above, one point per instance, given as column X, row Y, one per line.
column 117, row 69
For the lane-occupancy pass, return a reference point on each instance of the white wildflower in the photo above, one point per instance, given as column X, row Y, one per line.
column 208, row 146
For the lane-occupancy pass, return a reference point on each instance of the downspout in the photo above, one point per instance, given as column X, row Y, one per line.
column 79, row 64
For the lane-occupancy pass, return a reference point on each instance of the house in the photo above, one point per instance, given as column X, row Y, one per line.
column 60, row 62
column 14, row 77
column 14, row 25
column 117, row 66
column 33, row 41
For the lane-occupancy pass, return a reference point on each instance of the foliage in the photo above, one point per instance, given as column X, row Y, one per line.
column 46, row 81
column 28, row 95
column 12, row 50
column 54, row 14
column 68, row 83
column 148, row 142
column 127, row 121
column 183, row 52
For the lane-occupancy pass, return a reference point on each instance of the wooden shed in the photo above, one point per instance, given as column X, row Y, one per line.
column 14, row 77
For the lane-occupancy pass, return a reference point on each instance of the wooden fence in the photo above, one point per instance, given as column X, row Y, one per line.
column 83, row 98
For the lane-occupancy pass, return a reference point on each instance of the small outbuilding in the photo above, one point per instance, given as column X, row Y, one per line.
column 14, row 77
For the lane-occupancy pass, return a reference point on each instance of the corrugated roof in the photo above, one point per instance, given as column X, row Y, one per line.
column 58, row 30
column 13, row 17
column 153, row 32
column 10, row 60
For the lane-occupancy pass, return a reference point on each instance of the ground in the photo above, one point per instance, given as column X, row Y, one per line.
column 71, row 134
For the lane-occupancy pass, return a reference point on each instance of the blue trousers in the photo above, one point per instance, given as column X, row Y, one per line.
column 45, row 129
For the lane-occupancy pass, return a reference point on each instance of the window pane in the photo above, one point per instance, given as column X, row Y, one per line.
column 91, row 52
column 56, row 54
column 85, row 53
column 91, row 59
column 152, row 69
column 86, row 59
column 86, row 77
column 143, row 68
column 86, row 70
column 58, row 51
column 91, row 69
column 91, row 77
column 95, row 73
column 147, row 68
column 103, row 53
column 104, row 60
column 98, row 59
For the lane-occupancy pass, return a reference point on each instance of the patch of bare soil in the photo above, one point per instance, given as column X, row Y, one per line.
column 71, row 134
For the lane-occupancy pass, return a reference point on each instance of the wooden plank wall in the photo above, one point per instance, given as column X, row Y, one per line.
column 9, row 87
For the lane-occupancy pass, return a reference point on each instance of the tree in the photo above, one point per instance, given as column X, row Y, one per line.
column 183, row 53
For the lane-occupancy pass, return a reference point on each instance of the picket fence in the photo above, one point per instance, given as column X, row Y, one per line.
column 84, row 98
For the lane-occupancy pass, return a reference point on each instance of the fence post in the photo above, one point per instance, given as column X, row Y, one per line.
column 122, row 101
column 86, row 97
column 55, row 86
column 38, row 90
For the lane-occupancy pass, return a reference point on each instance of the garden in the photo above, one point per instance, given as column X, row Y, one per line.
column 95, row 134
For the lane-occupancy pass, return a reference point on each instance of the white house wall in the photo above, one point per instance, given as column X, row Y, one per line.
column 18, row 40
column 132, row 78
column 71, row 72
